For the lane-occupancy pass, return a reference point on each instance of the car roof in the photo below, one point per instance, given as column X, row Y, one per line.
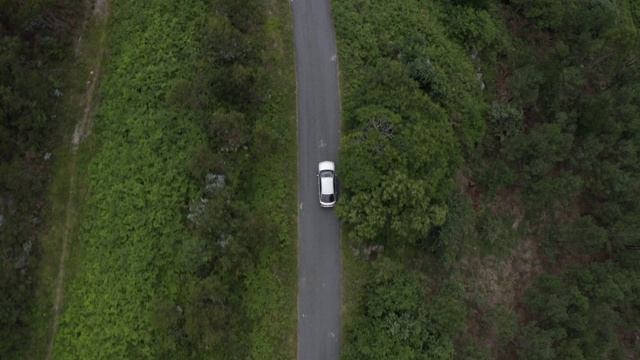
column 327, row 185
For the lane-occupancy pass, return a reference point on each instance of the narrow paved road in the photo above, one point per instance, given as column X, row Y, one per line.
column 319, row 260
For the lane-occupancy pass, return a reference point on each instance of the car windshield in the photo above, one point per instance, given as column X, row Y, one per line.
column 326, row 174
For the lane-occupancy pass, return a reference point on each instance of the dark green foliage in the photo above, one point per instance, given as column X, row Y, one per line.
column 496, row 176
column 431, row 79
column 411, row 107
column 571, row 18
column 478, row 4
column 537, row 344
column 524, row 84
column 576, row 314
column 624, row 237
column 503, row 324
column 396, row 169
column 397, row 161
column 448, row 240
column 577, row 141
column 247, row 17
column 34, row 38
column 551, row 148
column 540, row 150
column 553, row 194
column 418, row 40
column 584, row 236
column 506, row 120
column 575, row 151
column 235, row 45
column 473, row 28
column 396, row 323
column 447, row 310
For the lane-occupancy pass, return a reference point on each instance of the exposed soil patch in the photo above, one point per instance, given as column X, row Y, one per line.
column 83, row 127
column 101, row 9
column 502, row 281
column 498, row 284
column 497, row 277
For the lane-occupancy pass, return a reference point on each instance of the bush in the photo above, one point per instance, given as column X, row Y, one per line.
column 394, row 322
column 472, row 27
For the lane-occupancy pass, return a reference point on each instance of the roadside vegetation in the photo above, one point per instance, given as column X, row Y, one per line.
column 183, row 243
column 490, row 173
column 189, row 243
column 35, row 48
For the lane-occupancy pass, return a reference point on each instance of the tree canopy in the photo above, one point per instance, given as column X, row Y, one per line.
column 495, row 144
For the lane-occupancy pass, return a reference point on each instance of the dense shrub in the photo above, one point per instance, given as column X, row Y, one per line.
column 541, row 100
column 395, row 323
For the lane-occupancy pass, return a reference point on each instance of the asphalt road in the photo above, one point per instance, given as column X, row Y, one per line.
column 319, row 260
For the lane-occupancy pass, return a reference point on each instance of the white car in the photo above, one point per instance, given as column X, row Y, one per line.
column 327, row 184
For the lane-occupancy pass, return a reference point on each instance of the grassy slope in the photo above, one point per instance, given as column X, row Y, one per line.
column 138, row 183
column 123, row 255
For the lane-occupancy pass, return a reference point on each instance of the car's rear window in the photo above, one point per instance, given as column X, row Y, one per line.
column 327, row 198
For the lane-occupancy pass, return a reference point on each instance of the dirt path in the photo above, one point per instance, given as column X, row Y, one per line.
column 99, row 10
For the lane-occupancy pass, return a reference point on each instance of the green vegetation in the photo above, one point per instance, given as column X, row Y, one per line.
column 400, row 146
column 182, row 223
column 396, row 323
column 491, row 147
column 35, row 39
column 188, row 245
column 398, row 161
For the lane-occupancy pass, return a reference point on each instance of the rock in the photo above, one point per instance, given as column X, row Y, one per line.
column 474, row 54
